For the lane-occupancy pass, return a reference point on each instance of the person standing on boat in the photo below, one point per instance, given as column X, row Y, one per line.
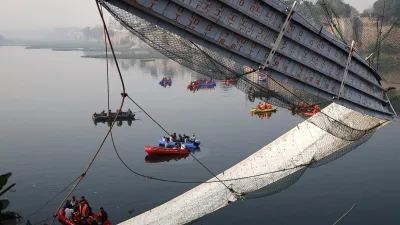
column 73, row 202
column 102, row 217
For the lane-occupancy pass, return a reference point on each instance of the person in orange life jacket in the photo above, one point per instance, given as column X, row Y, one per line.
column 102, row 217
column 264, row 106
column 269, row 106
column 259, row 105
column 85, row 210
column 83, row 199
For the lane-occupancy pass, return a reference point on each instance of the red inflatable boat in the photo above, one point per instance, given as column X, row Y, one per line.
column 165, row 151
column 66, row 221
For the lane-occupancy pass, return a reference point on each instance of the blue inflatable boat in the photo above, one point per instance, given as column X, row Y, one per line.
column 208, row 85
column 189, row 145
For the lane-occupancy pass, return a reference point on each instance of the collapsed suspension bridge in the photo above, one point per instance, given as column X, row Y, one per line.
column 302, row 61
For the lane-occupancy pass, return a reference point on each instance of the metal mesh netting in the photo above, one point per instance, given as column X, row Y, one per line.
column 216, row 66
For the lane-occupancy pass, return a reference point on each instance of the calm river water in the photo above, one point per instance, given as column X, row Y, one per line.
column 47, row 138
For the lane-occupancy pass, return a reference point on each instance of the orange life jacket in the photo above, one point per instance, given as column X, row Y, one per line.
column 84, row 210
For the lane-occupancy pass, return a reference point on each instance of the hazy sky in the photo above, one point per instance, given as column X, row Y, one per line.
column 22, row 14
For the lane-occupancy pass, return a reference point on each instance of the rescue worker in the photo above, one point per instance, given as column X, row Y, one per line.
column 83, row 199
column 264, row 106
column 259, row 105
column 102, row 217
column 84, row 210
column 180, row 138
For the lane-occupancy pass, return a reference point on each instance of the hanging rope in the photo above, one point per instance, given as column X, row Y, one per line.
column 111, row 126
column 51, row 199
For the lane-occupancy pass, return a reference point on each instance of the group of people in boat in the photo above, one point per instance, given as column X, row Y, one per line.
column 264, row 106
column 103, row 113
column 80, row 212
column 306, row 109
column 166, row 79
column 179, row 140
column 201, row 81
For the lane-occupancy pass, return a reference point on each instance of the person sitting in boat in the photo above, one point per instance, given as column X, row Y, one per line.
column 164, row 139
column 103, row 112
column 259, row 105
column 180, row 138
column 129, row 112
column 185, row 138
column 193, row 138
column 102, row 216
column 84, row 210
column 173, row 137
column 269, row 106
column 177, row 145
column 264, row 106
column 69, row 212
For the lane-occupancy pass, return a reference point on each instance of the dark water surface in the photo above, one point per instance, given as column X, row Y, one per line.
column 47, row 138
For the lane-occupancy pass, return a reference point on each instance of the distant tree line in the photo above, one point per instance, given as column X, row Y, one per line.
column 389, row 9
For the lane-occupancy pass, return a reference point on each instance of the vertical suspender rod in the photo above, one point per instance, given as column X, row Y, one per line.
column 267, row 62
column 346, row 71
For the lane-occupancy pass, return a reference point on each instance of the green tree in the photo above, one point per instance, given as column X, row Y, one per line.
column 389, row 9
column 6, row 217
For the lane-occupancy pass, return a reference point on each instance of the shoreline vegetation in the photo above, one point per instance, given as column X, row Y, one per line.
column 92, row 49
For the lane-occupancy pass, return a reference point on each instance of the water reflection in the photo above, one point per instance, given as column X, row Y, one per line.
column 262, row 115
column 163, row 158
column 119, row 123
column 158, row 68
